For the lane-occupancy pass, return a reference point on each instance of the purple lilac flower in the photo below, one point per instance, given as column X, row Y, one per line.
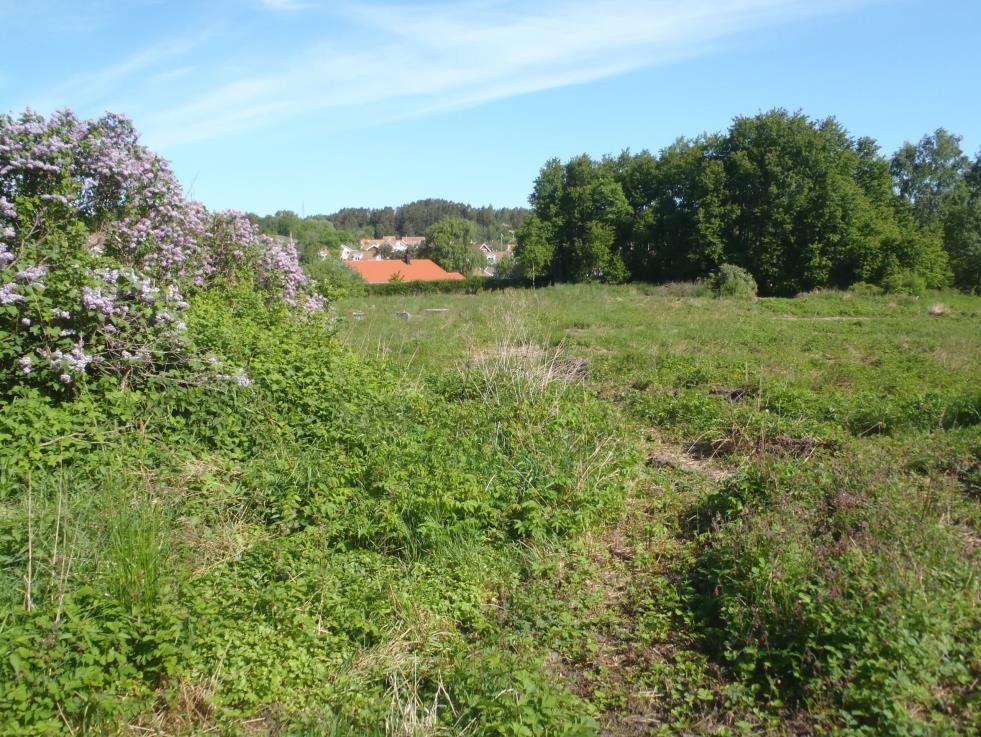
column 8, row 294
column 26, row 364
column 32, row 274
column 314, row 303
column 161, row 244
column 94, row 299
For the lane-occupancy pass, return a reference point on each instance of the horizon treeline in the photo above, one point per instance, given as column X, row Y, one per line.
column 349, row 224
column 799, row 203
column 415, row 218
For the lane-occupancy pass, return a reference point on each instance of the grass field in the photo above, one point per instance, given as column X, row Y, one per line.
column 578, row 510
column 799, row 551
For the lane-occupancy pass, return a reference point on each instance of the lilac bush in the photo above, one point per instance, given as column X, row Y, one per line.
column 100, row 250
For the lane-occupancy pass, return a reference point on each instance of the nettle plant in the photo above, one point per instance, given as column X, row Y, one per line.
column 99, row 251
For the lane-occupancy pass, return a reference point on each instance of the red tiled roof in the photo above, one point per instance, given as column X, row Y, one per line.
column 421, row 269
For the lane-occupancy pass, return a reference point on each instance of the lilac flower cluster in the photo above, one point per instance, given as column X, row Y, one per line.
column 118, row 297
column 74, row 361
column 33, row 275
column 9, row 295
column 134, row 205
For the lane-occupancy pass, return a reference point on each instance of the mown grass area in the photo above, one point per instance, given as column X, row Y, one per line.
column 800, row 552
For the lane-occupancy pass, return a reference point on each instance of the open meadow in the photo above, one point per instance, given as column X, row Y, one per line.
column 796, row 549
column 235, row 501
column 478, row 369
column 578, row 510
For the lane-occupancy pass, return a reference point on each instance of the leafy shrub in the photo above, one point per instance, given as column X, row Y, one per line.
column 865, row 289
column 734, row 281
column 904, row 282
column 507, row 699
column 335, row 279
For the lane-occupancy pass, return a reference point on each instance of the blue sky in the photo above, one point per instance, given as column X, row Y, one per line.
column 313, row 105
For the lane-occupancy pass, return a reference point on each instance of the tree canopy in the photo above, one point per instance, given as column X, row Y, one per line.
column 798, row 202
column 450, row 244
column 415, row 218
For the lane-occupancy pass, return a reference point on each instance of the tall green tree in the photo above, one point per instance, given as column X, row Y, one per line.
column 938, row 184
column 962, row 230
column 585, row 209
column 450, row 243
column 535, row 249
column 679, row 231
column 929, row 175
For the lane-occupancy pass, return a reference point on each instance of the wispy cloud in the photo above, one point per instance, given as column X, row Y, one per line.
column 285, row 4
column 397, row 60
column 99, row 84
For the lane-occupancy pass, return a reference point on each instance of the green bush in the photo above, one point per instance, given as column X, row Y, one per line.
column 734, row 282
column 865, row 289
column 905, row 282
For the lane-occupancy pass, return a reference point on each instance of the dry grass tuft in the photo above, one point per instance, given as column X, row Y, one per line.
column 519, row 367
column 184, row 709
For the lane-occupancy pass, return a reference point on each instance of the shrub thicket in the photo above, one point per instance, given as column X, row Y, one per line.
column 734, row 281
column 99, row 251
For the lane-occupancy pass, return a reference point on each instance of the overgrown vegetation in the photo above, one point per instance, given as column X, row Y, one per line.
column 296, row 553
column 579, row 510
column 245, row 527
column 799, row 555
